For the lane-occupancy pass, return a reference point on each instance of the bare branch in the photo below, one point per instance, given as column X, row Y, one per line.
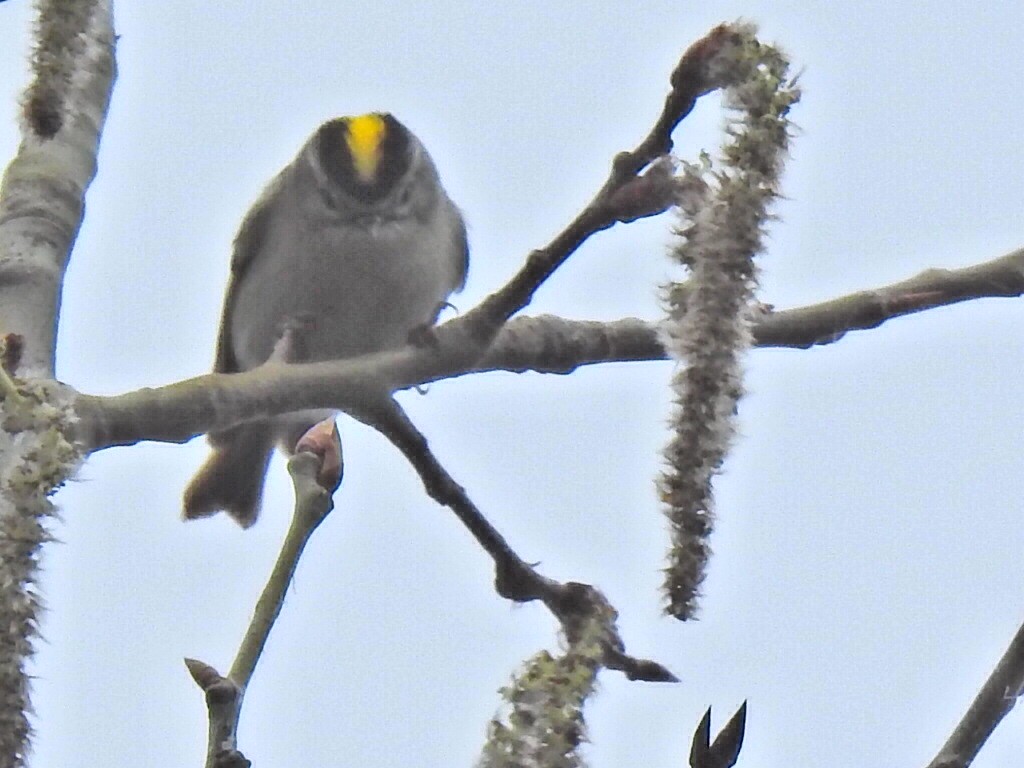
column 316, row 471
column 43, row 189
column 178, row 412
column 573, row 604
column 223, row 706
column 690, row 80
column 829, row 321
column 994, row 701
column 514, row 579
column 312, row 505
column 550, row 344
column 41, row 200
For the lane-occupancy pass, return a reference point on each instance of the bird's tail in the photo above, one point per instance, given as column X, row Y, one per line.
column 232, row 477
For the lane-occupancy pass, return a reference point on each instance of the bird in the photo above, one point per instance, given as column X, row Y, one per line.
column 353, row 248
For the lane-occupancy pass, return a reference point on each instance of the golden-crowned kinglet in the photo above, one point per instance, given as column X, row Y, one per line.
column 351, row 247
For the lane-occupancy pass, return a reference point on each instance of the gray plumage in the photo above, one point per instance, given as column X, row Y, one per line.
column 348, row 264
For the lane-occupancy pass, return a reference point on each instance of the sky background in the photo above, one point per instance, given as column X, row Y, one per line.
column 866, row 575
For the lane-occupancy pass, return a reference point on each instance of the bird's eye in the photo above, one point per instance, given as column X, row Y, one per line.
column 404, row 195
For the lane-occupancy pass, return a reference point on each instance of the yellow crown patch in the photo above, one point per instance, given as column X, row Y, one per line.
column 364, row 135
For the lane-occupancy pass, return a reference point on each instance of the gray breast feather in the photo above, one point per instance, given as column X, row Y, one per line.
column 354, row 288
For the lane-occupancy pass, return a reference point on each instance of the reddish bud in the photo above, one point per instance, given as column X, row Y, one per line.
column 324, row 442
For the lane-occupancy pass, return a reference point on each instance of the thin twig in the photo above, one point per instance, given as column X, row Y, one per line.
column 689, row 82
column 224, row 695
column 514, row 578
column 572, row 603
column 223, row 705
column 829, row 321
column 312, row 505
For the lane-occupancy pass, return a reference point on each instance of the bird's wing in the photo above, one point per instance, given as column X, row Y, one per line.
column 251, row 235
column 461, row 248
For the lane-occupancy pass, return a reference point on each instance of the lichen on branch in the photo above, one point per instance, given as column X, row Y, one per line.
column 35, row 459
column 544, row 724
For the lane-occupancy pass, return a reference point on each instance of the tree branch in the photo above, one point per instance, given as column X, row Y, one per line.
column 624, row 196
column 544, row 725
column 573, row 604
column 316, row 472
column 994, row 701
column 42, row 197
column 223, row 707
column 41, row 203
column 312, row 505
column 829, row 321
column 551, row 344
column 547, row 344
column 178, row 412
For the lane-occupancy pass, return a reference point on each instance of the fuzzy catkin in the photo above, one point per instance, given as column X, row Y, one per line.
column 721, row 229
column 60, row 41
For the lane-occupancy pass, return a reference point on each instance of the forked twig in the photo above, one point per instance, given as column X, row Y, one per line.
column 724, row 751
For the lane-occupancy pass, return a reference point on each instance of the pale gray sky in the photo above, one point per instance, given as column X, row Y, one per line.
column 867, row 569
